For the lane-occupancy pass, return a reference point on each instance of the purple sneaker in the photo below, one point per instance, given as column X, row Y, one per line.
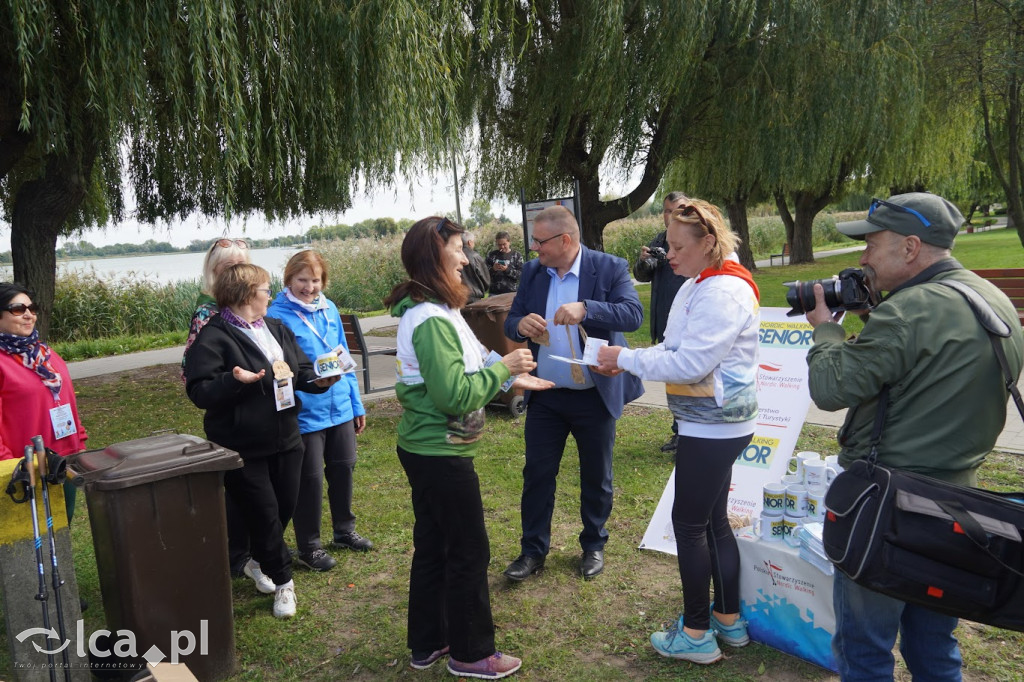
column 490, row 668
column 427, row 661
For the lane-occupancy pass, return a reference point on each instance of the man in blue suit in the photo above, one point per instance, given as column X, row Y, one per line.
column 567, row 287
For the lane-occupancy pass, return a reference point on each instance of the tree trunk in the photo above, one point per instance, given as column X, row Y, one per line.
column 41, row 208
column 808, row 205
column 737, row 211
column 786, row 216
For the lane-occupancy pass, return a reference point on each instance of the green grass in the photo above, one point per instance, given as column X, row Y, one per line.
column 117, row 345
column 351, row 621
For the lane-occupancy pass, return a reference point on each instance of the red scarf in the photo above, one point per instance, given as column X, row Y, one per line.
column 731, row 267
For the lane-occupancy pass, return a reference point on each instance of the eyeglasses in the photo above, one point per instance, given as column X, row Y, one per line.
column 875, row 203
column 691, row 211
column 541, row 242
column 226, row 243
column 268, row 292
column 440, row 225
column 20, row 308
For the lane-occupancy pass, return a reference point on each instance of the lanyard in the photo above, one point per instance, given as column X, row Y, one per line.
column 258, row 337
column 313, row 329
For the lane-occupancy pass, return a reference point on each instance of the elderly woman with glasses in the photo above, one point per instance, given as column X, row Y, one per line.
column 244, row 369
column 36, row 396
column 708, row 362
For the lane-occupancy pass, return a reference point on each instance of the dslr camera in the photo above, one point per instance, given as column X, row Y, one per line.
column 846, row 291
column 657, row 253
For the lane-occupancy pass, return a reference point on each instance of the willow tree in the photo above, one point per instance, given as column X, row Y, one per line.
column 566, row 88
column 839, row 96
column 216, row 107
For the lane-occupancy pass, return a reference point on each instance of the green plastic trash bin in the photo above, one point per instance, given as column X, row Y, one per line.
column 156, row 507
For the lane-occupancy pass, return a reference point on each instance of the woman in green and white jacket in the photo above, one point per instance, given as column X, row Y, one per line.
column 445, row 378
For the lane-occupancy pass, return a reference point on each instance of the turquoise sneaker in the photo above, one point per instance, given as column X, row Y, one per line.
column 674, row 643
column 733, row 635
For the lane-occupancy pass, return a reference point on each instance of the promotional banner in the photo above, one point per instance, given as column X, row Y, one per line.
column 786, row 601
column 783, row 399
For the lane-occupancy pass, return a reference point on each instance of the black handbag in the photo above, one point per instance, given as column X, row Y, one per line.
column 953, row 549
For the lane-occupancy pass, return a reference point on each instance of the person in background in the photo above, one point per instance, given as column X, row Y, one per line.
column 474, row 275
column 652, row 266
column 569, row 292
column 506, row 265
column 36, row 395
column 222, row 254
column 445, row 377
column 329, row 422
column 243, row 370
column 946, row 408
column 708, row 362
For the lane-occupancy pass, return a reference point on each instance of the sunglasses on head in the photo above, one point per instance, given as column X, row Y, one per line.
column 691, row 211
column 20, row 308
column 226, row 243
column 875, row 203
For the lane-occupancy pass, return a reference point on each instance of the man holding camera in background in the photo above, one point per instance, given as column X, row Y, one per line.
column 652, row 266
column 946, row 404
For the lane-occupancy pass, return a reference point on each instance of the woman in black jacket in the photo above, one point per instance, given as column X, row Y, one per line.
column 244, row 370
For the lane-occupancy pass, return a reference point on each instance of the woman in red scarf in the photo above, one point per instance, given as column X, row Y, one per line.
column 36, row 397
column 708, row 362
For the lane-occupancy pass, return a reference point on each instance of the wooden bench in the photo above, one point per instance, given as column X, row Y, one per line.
column 783, row 256
column 357, row 347
column 1011, row 282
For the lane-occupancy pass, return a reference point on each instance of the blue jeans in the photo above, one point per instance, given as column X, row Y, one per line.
column 866, row 626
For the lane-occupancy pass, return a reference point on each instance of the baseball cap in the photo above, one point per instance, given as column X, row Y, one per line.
column 928, row 216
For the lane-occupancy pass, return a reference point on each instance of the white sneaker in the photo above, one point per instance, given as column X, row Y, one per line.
column 284, row 600
column 263, row 582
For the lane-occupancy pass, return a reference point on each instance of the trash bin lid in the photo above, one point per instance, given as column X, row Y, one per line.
column 499, row 303
column 146, row 460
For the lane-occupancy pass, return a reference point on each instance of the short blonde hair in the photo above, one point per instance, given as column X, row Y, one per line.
column 236, row 286
column 306, row 259
column 216, row 255
column 701, row 218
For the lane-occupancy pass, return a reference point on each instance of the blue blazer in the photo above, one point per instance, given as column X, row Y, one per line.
column 613, row 307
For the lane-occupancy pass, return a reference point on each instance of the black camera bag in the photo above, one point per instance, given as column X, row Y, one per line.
column 953, row 549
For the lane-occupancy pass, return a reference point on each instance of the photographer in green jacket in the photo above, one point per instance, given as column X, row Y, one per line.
column 946, row 404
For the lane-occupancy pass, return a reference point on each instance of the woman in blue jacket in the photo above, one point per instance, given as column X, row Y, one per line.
column 329, row 422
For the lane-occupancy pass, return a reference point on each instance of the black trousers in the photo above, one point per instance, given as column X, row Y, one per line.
column 449, row 600
column 264, row 490
column 705, row 544
column 331, row 454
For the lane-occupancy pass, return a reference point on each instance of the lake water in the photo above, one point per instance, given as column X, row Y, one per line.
column 164, row 268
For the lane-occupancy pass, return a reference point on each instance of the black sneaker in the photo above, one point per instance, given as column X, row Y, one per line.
column 354, row 541
column 317, row 560
column 670, row 445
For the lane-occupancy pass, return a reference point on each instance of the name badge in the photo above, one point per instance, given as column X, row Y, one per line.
column 63, row 422
column 284, row 394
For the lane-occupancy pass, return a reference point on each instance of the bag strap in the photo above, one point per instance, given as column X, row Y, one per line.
column 876, row 430
column 973, row 531
column 996, row 327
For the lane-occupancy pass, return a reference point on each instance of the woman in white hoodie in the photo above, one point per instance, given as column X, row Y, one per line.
column 709, row 364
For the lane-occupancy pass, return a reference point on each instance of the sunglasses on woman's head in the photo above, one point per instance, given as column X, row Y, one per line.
column 20, row 308
column 226, row 243
column 691, row 211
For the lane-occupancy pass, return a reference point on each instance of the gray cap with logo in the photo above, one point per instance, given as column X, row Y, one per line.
column 928, row 216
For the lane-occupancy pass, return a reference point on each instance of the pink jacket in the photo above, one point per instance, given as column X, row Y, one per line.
column 25, row 405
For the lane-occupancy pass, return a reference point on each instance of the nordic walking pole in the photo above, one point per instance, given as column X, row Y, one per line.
column 41, row 596
column 53, row 475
